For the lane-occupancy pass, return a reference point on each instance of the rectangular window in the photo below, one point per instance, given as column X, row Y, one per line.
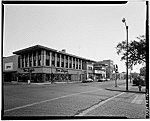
column 26, row 60
column 47, row 58
column 39, row 58
column 66, row 65
column 62, row 64
column 79, row 66
column 34, row 59
column 19, row 60
column 30, row 60
column 22, row 60
column 76, row 63
column 70, row 62
column 89, row 68
column 47, row 62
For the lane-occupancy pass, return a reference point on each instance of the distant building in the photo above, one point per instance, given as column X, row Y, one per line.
column 109, row 67
column 10, row 68
column 99, row 71
column 49, row 64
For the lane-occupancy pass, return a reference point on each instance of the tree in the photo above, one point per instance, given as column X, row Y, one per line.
column 136, row 51
column 143, row 71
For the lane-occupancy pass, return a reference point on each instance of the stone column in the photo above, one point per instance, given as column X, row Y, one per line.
column 36, row 58
column 44, row 57
column 32, row 59
column 64, row 61
column 81, row 64
column 72, row 61
column 78, row 63
column 60, row 60
column 50, row 59
column 20, row 61
column 68, row 61
column 75, row 62
column 55, row 59
column 28, row 61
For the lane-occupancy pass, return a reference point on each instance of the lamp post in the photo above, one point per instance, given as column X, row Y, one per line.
column 124, row 21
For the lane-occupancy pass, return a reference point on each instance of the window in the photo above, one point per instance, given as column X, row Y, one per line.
column 34, row 59
column 66, row 61
column 19, row 60
column 26, row 60
column 76, row 63
column 22, row 60
column 89, row 68
column 30, row 60
column 39, row 58
column 62, row 60
column 47, row 58
column 70, row 63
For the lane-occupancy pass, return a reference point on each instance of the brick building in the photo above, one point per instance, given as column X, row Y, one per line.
column 109, row 67
column 48, row 63
column 10, row 68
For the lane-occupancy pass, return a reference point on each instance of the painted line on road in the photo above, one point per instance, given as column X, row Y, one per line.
column 138, row 99
column 96, row 106
column 134, row 100
column 36, row 103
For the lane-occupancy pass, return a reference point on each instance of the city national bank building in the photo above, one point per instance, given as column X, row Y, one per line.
column 47, row 65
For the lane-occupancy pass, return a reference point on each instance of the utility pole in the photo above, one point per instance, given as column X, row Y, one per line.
column 116, row 71
column 124, row 21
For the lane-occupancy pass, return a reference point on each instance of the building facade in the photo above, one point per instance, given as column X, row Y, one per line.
column 49, row 64
column 109, row 68
column 99, row 71
column 10, row 68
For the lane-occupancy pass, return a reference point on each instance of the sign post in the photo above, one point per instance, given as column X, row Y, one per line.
column 29, row 70
column 116, row 71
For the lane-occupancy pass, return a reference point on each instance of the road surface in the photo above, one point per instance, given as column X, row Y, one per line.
column 76, row 99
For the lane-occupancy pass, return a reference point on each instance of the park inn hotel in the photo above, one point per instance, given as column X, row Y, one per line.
column 47, row 64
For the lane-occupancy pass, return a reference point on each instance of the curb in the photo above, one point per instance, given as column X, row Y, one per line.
column 125, row 91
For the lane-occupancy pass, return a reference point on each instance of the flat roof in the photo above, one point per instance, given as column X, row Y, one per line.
column 39, row 47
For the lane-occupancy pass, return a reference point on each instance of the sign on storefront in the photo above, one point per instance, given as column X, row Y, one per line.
column 61, row 70
column 8, row 66
column 99, row 72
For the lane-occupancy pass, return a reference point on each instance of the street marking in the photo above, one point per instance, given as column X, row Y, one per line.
column 138, row 99
column 36, row 103
column 134, row 100
column 96, row 106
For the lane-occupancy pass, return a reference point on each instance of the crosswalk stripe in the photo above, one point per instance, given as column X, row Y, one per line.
column 138, row 99
column 134, row 100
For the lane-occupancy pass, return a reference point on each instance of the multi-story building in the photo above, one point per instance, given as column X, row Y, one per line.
column 51, row 64
column 10, row 67
column 99, row 71
column 109, row 67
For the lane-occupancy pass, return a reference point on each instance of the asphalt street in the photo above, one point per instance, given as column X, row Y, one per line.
column 70, row 100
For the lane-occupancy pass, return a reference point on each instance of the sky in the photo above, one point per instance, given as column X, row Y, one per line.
column 88, row 31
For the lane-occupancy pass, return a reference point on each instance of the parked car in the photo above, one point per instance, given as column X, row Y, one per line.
column 88, row 80
column 107, row 79
column 101, row 80
column 139, row 79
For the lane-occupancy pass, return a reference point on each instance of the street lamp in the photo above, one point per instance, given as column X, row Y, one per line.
column 124, row 21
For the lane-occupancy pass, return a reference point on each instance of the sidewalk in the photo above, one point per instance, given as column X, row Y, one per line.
column 131, row 88
column 44, row 83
